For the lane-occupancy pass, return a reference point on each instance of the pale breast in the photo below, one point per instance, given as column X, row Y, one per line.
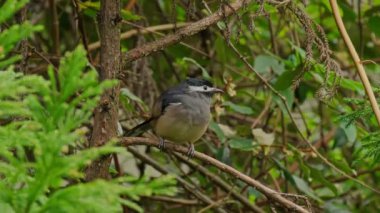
column 183, row 124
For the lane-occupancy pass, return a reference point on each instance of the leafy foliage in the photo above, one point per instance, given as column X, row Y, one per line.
column 42, row 120
column 371, row 146
column 15, row 33
column 49, row 114
column 294, row 45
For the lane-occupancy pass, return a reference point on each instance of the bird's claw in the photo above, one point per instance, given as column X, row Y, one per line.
column 191, row 151
column 161, row 144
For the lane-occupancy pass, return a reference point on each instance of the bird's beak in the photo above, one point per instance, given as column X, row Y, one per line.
column 217, row 90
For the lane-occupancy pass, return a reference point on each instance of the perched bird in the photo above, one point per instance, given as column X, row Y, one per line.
column 181, row 114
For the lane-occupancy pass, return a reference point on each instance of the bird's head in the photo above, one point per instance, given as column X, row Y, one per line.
column 201, row 86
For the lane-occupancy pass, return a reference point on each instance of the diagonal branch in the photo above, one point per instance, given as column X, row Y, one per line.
column 268, row 192
column 188, row 186
column 184, row 32
column 220, row 182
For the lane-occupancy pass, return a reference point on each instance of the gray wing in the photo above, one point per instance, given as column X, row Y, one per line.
column 167, row 98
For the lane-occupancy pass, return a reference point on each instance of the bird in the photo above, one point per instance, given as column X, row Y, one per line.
column 181, row 114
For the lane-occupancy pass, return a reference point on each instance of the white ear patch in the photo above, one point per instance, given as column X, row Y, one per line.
column 203, row 88
column 175, row 104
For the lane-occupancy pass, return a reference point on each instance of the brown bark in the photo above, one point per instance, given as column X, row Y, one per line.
column 183, row 33
column 105, row 120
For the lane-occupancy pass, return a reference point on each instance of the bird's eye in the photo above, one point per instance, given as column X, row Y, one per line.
column 205, row 87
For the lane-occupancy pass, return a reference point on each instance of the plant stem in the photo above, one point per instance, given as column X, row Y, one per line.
column 355, row 57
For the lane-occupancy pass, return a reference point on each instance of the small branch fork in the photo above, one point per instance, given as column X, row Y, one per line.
column 268, row 192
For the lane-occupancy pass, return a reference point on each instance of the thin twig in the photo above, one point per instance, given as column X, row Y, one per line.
column 217, row 203
column 189, row 187
column 55, row 27
column 341, row 179
column 285, row 145
column 32, row 48
column 173, row 200
column 220, row 182
column 262, row 113
column 130, row 33
column 82, row 31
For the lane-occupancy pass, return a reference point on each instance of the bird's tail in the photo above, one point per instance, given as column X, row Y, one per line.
column 139, row 129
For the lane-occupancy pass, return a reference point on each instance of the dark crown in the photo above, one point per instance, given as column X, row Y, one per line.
column 198, row 82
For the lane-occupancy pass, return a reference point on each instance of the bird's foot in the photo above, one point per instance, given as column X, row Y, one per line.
column 191, row 150
column 161, row 144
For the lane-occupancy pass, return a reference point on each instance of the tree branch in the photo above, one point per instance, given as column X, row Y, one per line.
column 268, row 192
column 185, row 32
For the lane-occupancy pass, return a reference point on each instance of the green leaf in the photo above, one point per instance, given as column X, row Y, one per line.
column 373, row 24
column 289, row 97
column 239, row 108
column 318, row 176
column 350, row 131
column 304, row 187
column 372, row 11
column 92, row 8
column 132, row 205
column 285, row 80
column 352, row 85
column 335, row 207
column 245, row 144
column 127, row 93
column 266, row 63
column 12, row 35
column 349, row 14
column 340, row 138
column 224, row 154
column 9, row 8
column 6, row 208
column 218, row 131
column 343, row 165
column 9, row 61
column 205, row 74
column 129, row 16
column 346, row 133
column 287, row 174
